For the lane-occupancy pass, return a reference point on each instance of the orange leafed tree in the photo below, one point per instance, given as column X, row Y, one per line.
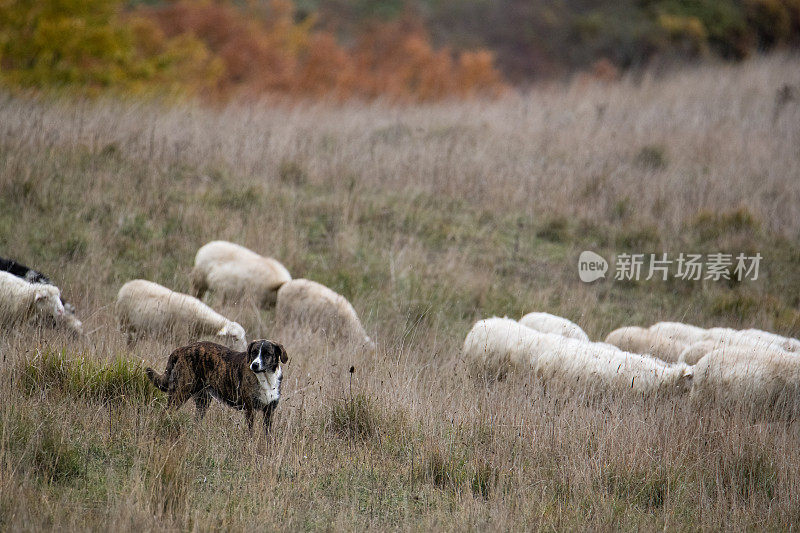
column 270, row 53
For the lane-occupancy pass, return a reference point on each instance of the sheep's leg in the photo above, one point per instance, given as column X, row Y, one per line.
column 199, row 284
column 130, row 338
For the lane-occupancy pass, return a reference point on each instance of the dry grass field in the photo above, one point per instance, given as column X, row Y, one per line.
column 427, row 218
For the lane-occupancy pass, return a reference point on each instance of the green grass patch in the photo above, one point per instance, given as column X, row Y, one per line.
column 84, row 377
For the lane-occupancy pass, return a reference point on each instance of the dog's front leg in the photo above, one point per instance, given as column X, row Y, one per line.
column 268, row 410
column 249, row 415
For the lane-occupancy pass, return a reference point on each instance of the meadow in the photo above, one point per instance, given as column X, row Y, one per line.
column 427, row 217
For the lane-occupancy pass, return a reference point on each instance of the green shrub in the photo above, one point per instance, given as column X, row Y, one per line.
column 292, row 172
column 711, row 226
column 554, row 230
column 652, row 157
column 638, row 238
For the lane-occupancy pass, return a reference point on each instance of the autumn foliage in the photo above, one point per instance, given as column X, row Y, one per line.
column 86, row 44
column 219, row 50
column 270, row 53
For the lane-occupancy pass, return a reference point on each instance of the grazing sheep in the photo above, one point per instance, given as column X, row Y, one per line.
column 318, row 307
column 745, row 339
column 21, row 301
column 235, row 272
column 763, row 381
column 147, row 307
column 32, row 276
column 547, row 323
column 724, row 338
column 598, row 369
column 694, row 352
column 678, row 331
column 496, row 344
column 643, row 341
column 787, row 343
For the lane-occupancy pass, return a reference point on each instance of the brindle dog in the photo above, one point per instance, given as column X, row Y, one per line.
column 249, row 381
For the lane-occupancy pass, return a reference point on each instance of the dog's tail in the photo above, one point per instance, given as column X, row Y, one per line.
column 157, row 379
column 162, row 381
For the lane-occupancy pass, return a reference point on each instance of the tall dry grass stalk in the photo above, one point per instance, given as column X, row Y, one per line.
column 426, row 218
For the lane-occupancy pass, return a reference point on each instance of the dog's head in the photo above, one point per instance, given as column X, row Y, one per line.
column 265, row 356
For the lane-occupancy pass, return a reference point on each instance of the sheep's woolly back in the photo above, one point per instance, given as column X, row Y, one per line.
column 643, row 341
column 316, row 306
column 679, row 332
column 693, row 353
column 18, row 299
column 236, row 272
column 144, row 306
column 496, row 343
column 547, row 323
column 765, row 382
column 728, row 337
column 597, row 368
column 787, row 343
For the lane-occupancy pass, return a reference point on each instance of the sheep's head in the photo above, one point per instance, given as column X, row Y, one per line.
column 234, row 332
column 47, row 299
column 684, row 378
column 369, row 345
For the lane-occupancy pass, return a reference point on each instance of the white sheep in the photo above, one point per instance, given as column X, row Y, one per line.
column 735, row 337
column 146, row 307
column 496, row 344
column 787, row 343
column 643, row 341
column 235, row 272
column 21, row 300
column 694, row 352
column 724, row 338
column 766, row 382
column 678, row 331
column 316, row 306
column 598, row 369
column 547, row 323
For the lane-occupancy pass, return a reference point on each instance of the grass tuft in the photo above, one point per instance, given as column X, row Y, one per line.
column 356, row 417
column 81, row 376
column 652, row 157
column 453, row 470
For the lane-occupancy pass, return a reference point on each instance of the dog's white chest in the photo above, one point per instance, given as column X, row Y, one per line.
column 269, row 389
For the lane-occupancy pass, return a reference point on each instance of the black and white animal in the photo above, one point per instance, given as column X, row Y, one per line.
column 21, row 271
column 248, row 381
column 21, row 301
column 30, row 275
column 33, row 276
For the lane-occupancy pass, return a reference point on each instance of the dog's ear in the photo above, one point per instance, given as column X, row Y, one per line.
column 281, row 352
column 250, row 346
